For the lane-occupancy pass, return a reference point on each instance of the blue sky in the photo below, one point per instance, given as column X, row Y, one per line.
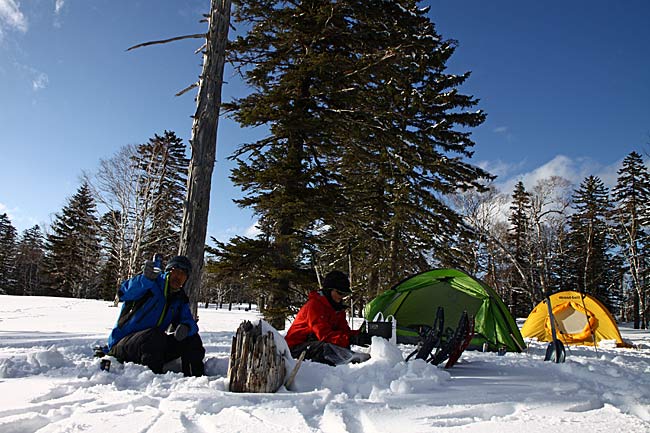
column 565, row 84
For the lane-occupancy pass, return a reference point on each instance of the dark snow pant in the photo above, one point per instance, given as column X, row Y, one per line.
column 153, row 348
column 320, row 351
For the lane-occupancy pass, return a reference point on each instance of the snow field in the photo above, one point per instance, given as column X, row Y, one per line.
column 50, row 382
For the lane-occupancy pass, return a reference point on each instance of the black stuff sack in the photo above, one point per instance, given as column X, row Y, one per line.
column 384, row 328
column 380, row 329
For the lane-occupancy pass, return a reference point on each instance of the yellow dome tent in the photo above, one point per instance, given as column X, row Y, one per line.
column 577, row 320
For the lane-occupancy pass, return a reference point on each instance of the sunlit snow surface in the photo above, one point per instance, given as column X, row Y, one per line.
column 50, row 382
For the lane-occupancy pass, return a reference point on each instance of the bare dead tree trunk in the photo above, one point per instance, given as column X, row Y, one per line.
column 203, row 144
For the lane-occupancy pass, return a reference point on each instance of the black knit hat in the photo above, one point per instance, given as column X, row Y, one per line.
column 337, row 280
column 179, row 262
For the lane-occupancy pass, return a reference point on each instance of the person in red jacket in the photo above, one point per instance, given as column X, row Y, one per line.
column 320, row 327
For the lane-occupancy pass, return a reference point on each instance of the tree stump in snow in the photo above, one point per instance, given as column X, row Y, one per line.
column 255, row 364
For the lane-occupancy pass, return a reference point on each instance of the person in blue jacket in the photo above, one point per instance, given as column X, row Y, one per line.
column 155, row 324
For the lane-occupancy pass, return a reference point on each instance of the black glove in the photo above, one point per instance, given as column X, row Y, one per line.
column 149, row 271
column 181, row 332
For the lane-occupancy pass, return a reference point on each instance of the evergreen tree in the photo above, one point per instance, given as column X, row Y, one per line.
column 518, row 240
column 73, row 248
column 350, row 88
column 632, row 195
column 110, row 275
column 248, row 262
column 283, row 174
column 403, row 130
column 30, row 252
column 143, row 189
column 589, row 240
column 167, row 153
column 7, row 256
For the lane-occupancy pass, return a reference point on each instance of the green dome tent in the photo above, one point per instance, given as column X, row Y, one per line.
column 414, row 302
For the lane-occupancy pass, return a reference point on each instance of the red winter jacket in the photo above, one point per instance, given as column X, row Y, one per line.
column 318, row 317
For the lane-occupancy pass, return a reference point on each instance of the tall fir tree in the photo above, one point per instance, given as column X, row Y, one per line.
column 589, row 240
column 143, row 189
column 518, row 243
column 403, row 130
column 30, row 252
column 167, row 152
column 632, row 198
column 73, row 248
column 350, row 88
column 110, row 274
column 7, row 256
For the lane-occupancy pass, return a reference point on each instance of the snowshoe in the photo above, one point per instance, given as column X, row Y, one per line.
column 430, row 338
column 452, row 340
column 466, row 332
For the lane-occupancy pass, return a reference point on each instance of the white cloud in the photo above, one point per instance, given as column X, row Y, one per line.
column 225, row 235
column 253, row 230
column 18, row 220
column 40, row 81
column 58, row 13
column 504, row 132
column 11, row 17
column 574, row 170
column 500, row 168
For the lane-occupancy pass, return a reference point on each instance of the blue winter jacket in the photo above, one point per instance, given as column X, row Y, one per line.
column 149, row 304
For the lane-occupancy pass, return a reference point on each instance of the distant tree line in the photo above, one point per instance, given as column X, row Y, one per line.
column 554, row 237
column 551, row 238
column 560, row 237
column 364, row 169
column 86, row 255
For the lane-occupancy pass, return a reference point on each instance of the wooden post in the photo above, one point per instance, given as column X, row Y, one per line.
column 255, row 364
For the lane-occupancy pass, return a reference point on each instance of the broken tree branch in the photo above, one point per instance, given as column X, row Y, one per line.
column 188, row 88
column 164, row 41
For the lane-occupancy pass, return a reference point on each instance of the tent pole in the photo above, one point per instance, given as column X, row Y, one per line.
column 350, row 278
column 521, row 349
column 593, row 337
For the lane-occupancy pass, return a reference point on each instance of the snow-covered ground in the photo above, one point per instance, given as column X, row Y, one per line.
column 50, row 382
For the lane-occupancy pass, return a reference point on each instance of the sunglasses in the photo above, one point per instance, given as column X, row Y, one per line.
column 342, row 294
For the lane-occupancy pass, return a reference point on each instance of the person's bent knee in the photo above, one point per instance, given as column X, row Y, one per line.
column 152, row 349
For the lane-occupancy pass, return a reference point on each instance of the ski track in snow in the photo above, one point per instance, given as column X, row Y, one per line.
column 50, row 382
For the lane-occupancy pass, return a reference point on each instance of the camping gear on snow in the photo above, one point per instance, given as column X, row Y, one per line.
column 461, row 339
column 414, row 301
column 577, row 322
column 384, row 328
column 438, row 343
column 555, row 350
column 431, row 337
column 380, row 329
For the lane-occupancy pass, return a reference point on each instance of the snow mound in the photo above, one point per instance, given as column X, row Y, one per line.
column 33, row 363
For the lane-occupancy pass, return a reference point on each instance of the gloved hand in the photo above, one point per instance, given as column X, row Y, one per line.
column 181, row 331
column 149, row 271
